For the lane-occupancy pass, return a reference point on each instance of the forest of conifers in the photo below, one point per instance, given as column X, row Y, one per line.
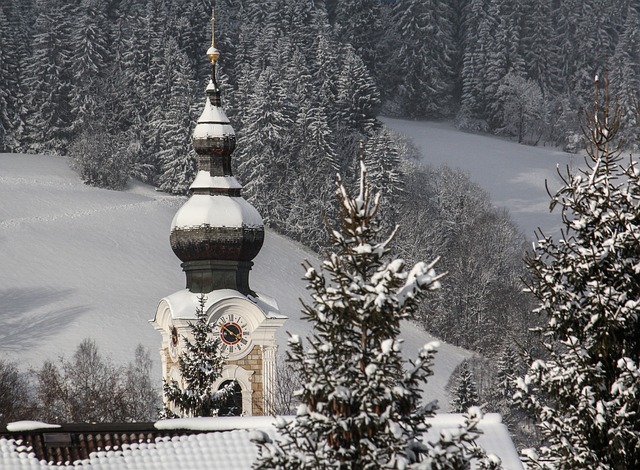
column 118, row 84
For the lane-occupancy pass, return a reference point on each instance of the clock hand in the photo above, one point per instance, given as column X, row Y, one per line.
column 237, row 335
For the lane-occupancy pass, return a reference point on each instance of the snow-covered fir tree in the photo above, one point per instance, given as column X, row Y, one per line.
column 383, row 163
column 200, row 364
column 361, row 405
column 47, row 79
column 176, row 157
column 466, row 391
column 508, row 367
column 96, row 156
column 89, row 60
column 425, row 56
column 584, row 394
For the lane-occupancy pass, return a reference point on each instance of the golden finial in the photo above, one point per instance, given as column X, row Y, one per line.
column 213, row 53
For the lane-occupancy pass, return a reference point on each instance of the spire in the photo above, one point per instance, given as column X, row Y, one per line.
column 217, row 233
column 213, row 53
column 213, row 90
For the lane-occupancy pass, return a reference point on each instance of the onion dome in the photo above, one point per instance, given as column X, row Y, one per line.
column 216, row 233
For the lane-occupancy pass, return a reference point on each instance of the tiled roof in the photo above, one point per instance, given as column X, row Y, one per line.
column 208, row 443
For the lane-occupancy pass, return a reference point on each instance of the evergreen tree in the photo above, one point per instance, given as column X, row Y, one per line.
column 357, row 23
column 16, row 49
column 494, row 39
column 425, row 30
column 478, row 26
column 176, row 157
column 500, row 398
column 540, row 51
column 466, row 391
column 625, row 75
column 6, row 126
column 360, row 403
column 584, row 395
column 508, row 368
column 99, row 159
column 89, row 61
column 306, row 180
column 200, row 365
column 48, row 80
column 383, row 163
column 357, row 96
column 262, row 142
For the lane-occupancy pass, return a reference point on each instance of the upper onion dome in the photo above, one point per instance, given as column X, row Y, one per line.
column 213, row 133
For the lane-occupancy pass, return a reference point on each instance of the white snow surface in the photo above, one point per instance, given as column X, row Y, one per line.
column 217, row 211
column 204, row 130
column 204, row 180
column 225, row 423
column 514, row 175
column 213, row 122
column 21, row 426
column 81, row 262
column 213, row 113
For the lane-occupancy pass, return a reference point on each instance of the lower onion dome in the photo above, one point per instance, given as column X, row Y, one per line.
column 217, row 228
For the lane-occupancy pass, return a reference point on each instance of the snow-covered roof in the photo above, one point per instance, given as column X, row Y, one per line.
column 205, row 180
column 21, row 426
column 216, row 211
column 224, row 443
column 183, row 304
column 213, row 122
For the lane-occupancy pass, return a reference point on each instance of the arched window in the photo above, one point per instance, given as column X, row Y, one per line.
column 233, row 405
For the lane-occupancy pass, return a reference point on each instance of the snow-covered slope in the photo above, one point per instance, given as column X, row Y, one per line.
column 513, row 174
column 79, row 262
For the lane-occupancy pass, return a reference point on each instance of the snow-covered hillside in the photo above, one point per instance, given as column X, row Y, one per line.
column 77, row 262
column 513, row 174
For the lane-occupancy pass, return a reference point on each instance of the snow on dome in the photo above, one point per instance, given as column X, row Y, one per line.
column 205, row 180
column 22, row 426
column 213, row 113
column 213, row 122
column 207, row 130
column 216, row 211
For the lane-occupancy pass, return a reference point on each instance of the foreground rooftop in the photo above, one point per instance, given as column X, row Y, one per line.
column 189, row 444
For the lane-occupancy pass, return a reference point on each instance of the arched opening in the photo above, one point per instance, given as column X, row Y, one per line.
column 233, row 405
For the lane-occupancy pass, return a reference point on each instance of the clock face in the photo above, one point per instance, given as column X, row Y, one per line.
column 234, row 333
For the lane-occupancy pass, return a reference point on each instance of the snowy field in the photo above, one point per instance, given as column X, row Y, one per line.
column 513, row 174
column 80, row 262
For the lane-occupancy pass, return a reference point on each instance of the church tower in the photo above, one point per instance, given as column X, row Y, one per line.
column 216, row 234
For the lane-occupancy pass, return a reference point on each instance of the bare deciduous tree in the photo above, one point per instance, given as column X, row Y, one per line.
column 90, row 388
column 16, row 401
